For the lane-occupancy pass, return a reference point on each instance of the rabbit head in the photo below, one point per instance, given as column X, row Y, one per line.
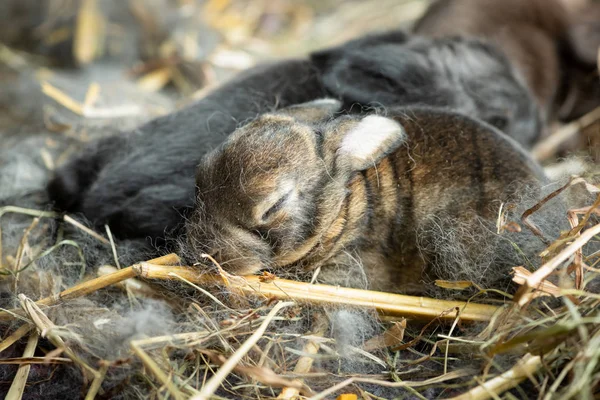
column 271, row 195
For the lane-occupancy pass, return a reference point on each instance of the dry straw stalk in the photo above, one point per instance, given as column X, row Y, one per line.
column 18, row 385
column 386, row 303
column 525, row 368
column 90, row 286
column 215, row 381
column 304, row 363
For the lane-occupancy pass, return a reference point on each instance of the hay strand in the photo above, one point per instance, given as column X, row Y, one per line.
column 304, row 363
column 18, row 385
column 46, row 328
column 15, row 336
column 525, row 368
column 551, row 145
column 536, row 278
column 85, row 229
column 402, row 384
column 385, row 303
column 92, row 285
column 215, row 381
column 156, row 370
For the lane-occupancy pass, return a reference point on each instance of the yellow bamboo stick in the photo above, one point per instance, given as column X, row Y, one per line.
column 388, row 304
column 385, row 303
column 91, row 286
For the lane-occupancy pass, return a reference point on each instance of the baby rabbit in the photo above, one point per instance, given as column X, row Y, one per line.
column 539, row 37
column 582, row 93
column 142, row 183
column 463, row 75
column 298, row 189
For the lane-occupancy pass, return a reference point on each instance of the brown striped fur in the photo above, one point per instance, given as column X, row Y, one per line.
column 340, row 213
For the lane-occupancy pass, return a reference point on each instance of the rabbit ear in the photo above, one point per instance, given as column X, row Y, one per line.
column 324, row 59
column 314, row 111
column 366, row 143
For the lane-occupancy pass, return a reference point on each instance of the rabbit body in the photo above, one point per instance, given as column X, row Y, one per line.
column 142, row 183
column 291, row 194
column 551, row 46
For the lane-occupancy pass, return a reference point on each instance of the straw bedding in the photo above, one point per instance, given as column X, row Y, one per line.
column 165, row 330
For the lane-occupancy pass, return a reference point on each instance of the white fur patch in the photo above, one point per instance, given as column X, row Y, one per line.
column 325, row 101
column 566, row 168
column 372, row 138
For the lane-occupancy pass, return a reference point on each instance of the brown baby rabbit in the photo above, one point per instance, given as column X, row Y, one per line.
column 533, row 34
column 301, row 189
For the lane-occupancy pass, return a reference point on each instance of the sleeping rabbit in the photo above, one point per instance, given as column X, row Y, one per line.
column 302, row 189
column 542, row 40
column 468, row 76
column 141, row 183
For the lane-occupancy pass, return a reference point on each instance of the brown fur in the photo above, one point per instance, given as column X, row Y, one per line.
column 582, row 93
column 530, row 32
column 281, row 194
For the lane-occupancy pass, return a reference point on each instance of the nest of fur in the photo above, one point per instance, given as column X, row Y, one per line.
column 78, row 322
column 158, row 329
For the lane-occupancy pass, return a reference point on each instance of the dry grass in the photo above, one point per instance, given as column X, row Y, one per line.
column 266, row 337
column 554, row 345
column 275, row 288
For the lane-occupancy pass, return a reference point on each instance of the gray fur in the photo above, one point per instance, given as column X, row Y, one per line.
column 466, row 76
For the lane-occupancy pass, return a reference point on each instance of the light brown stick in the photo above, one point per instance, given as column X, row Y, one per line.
column 385, row 303
column 493, row 388
column 545, row 270
column 15, row 336
column 85, row 229
column 18, row 385
column 91, row 286
column 550, row 145
column 156, row 370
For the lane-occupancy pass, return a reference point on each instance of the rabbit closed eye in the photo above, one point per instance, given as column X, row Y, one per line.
column 302, row 189
column 268, row 196
column 141, row 183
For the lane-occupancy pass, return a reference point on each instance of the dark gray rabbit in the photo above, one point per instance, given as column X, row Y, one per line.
column 463, row 75
column 142, row 183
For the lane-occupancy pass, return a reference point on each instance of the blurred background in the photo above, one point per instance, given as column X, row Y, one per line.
column 176, row 46
column 74, row 70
